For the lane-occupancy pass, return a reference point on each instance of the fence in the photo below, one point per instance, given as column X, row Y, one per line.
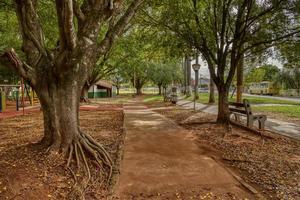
column 147, row 90
column 290, row 93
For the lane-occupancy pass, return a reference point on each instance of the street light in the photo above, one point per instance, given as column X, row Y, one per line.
column 196, row 68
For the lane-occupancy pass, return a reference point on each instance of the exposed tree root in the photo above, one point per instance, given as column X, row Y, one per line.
column 84, row 149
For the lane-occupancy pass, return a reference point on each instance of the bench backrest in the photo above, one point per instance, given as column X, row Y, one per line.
column 244, row 107
column 247, row 106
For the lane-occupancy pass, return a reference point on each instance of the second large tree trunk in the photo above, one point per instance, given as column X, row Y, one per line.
column 84, row 93
column 223, row 110
column 118, row 90
column 240, row 81
column 159, row 89
column 139, row 90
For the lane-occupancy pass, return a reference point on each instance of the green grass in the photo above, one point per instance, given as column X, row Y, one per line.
column 203, row 98
column 289, row 111
column 153, row 98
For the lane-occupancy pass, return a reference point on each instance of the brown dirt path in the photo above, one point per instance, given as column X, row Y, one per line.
column 162, row 161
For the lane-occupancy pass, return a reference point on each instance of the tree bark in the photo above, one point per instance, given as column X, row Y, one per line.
column 60, row 103
column 118, row 90
column 184, row 65
column 223, row 109
column 139, row 90
column 188, row 78
column 84, row 93
column 159, row 89
column 211, row 91
column 240, row 81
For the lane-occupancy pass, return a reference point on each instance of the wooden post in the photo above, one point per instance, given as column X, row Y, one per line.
column 22, row 87
column 17, row 99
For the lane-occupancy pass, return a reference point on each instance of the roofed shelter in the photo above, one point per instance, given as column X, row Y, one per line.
column 102, row 89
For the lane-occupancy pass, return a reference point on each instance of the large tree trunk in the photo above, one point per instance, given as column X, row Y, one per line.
column 118, row 90
column 159, row 89
column 223, row 110
column 211, row 91
column 60, row 103
column 138, row 90
column 164, row 90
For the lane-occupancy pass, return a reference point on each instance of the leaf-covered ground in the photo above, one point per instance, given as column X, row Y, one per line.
column 28, row 172
column 271, row 164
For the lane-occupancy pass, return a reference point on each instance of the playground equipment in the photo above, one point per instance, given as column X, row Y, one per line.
column 20, row 94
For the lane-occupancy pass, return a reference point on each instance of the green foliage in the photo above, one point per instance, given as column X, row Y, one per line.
column 289, row 53
column 289, row 78
column 256, row 75
column 153, row 98
column 10, row 37
column 220, row 29
column 139, row 58
column 164, row 74
column 9, row 29
column 263, row 73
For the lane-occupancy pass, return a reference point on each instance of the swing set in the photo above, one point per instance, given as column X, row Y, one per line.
column 10, row 98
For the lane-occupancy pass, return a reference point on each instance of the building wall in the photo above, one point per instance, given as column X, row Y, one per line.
column 95, row 92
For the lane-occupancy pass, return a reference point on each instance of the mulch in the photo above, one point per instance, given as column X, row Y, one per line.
column 270, row 164
column 27, row 171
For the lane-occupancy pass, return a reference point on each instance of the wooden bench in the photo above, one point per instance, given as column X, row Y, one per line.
column 244, row 109
column 167, row 97
column 170, row 97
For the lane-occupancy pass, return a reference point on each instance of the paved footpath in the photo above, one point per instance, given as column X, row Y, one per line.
column 161, row 157
column 284, row 128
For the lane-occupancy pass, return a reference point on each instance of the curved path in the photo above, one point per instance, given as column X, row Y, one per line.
column 162, row 161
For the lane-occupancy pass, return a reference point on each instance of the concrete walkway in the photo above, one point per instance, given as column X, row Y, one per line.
column 284, row 128
column 161, row 157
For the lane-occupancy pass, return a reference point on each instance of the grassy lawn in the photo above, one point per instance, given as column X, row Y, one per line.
column 288, row 108
column 203, row 98
column 153, row 98
column 289, row 111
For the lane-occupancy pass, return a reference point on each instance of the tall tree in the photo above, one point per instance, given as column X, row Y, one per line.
column 225, row 31
column 59, row 73
column 164, row 74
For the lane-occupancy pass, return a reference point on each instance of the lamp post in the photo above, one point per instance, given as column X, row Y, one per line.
column 196, row 68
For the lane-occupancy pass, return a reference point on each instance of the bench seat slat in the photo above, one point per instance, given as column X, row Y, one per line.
column 238, row 111
column 236, row 104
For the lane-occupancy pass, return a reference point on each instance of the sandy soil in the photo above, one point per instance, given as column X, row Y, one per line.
column 28, row 172
column 271, row 164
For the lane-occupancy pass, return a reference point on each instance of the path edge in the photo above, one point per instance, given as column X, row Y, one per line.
column 117, row 166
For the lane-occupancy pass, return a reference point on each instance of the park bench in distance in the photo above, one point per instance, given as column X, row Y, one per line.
column 244, row 109
column 171, row 96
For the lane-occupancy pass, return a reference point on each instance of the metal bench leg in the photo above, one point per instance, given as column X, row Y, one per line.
column 250, row 121
column 262, row 123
